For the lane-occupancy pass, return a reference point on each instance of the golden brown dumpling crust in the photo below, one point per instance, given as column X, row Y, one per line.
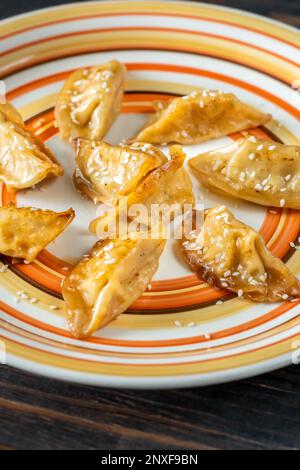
column 25, row 231
column 167, row 185
column 107, row 172
column 108, row 281
column 260, row 171
column 90, row 101
column 231, row 255
column 200, row 116
column 24, row 159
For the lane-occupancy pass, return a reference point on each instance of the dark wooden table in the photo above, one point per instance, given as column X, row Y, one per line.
column 258, row 413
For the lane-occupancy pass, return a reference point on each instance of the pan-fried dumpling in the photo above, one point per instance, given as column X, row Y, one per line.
column 231, row 255
column 106, row 172
column 108, row 281
column 256, row 170
column 168, row 187
column 90, row 101
column 200, row 116
column 24, row 159
column 25, row 231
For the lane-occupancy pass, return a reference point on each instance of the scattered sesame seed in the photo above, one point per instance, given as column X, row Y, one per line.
column 219, row 302
column 3, row 268
column 177, row 323
column 272, row 147
column 207, row 336
column 258, row 187
column 292, row 244
column 282, row 202
column 191, row 323
column 33, row 300
column 252, row 138
column 53, row 307
column 287, row 177
column 285, row 296
column 240, row 292
column 149, row 287
column 251, row 156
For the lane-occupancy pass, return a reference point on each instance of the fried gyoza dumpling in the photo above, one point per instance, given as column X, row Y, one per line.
column 200, row 116
column 25, row 231
column 90, row 101
column 108, row 281
column 256, row 170
column 168, row 186
column 24, row 159
column 106, row 172
column 231, row 255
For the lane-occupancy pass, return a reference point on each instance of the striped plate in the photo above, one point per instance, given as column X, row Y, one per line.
column 169, row 49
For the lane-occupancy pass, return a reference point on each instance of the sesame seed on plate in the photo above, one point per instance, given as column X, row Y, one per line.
column 177, row 323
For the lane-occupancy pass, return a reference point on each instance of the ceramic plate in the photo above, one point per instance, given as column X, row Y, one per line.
column 169, row 49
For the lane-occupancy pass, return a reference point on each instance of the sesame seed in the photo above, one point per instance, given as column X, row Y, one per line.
column 3, row 268
column 272, row 147
column 260, row 147
column 292, row 244
column 219, row 302
column 258, row 187
column 177, row 323
column 207, row 336
column 191, row 323
column 287, row 177
column 240, row 292
column 149, row 287
column 251, row 156
column 282, row 202
column 33, row 300
column 252, row 138
column 285, row 296
column 24, row 296
column 53, row 307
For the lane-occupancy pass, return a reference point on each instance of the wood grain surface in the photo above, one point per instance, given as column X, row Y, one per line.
column 258, row 413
